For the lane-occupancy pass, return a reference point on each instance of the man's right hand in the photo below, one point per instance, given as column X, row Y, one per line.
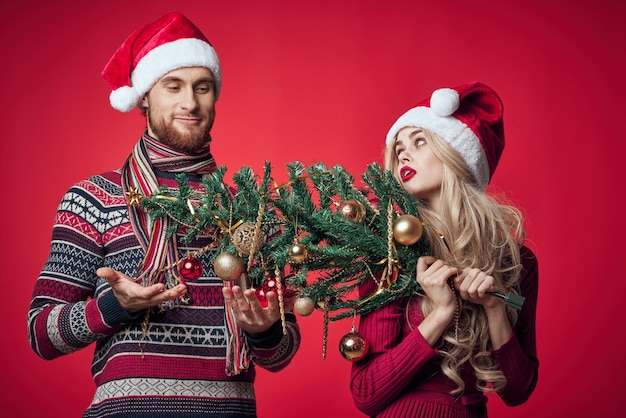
column 134, row 297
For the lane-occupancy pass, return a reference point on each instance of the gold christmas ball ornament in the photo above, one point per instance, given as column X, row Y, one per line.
column 298, row 252
column 228, row 267
column 353, row 209
column 407, row 229
column 243, row 238
column 353, row 346
column 304, row 306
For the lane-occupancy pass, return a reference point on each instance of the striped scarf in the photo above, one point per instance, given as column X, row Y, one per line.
column 138, row 176
column 160, row 250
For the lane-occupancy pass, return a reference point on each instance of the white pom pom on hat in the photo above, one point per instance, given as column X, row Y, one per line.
column 170, row 43
column 124, row 98
column 444, row 102
column 469, row 118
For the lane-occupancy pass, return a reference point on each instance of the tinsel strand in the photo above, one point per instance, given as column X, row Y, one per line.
column 389, row 238
column 257, row 234
column 281, row 300
column 325, row 335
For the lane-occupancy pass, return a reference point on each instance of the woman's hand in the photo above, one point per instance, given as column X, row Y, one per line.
column 474, row 286
column 434, row 275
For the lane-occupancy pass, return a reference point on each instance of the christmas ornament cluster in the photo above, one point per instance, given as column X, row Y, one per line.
column 318, row 236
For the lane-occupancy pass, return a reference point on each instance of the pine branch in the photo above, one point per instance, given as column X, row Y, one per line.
column 344, row 252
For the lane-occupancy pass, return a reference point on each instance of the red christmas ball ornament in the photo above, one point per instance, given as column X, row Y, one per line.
column 270, row 285
column 260, row 295
column 190, row 268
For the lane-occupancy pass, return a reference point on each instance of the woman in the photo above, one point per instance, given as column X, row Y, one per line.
column 436, row 354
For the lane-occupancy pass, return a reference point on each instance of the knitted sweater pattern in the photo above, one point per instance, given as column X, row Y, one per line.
column 175, row 368
column 401, row 374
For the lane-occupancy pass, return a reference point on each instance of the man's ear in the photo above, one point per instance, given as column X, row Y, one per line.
column 144, row 101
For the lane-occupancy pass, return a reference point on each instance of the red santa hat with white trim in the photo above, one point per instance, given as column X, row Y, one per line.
column 469, row 118
column 170, row 43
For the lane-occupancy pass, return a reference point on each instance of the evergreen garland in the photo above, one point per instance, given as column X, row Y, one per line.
column 343, row 252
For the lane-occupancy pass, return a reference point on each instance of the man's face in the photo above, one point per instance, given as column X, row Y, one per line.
column 180, row 109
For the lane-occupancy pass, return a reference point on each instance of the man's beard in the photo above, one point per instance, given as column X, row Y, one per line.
column 195, row 140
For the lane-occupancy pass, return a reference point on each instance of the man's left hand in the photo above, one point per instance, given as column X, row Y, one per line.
column 249, row 314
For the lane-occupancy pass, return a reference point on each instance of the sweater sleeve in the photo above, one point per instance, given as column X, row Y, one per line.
column 391, row 362
column 274, row 350
column 517, row 357
column 64, row 314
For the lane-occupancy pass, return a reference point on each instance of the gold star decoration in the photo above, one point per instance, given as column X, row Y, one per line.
column 133, row 197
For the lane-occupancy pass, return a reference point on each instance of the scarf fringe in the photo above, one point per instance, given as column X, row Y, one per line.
column 237, row 350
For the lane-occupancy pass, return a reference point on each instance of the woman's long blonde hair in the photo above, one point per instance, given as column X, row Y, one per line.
column 473, row 229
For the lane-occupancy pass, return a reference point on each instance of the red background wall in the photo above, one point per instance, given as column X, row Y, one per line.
column 323, row 81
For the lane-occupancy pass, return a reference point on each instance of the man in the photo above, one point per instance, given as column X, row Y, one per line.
column 167, row 343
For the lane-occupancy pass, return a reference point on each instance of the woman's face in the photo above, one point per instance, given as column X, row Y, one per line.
column 419, row 170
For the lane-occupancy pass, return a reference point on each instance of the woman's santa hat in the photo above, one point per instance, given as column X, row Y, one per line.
column 154, row 50
column 469, row 118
